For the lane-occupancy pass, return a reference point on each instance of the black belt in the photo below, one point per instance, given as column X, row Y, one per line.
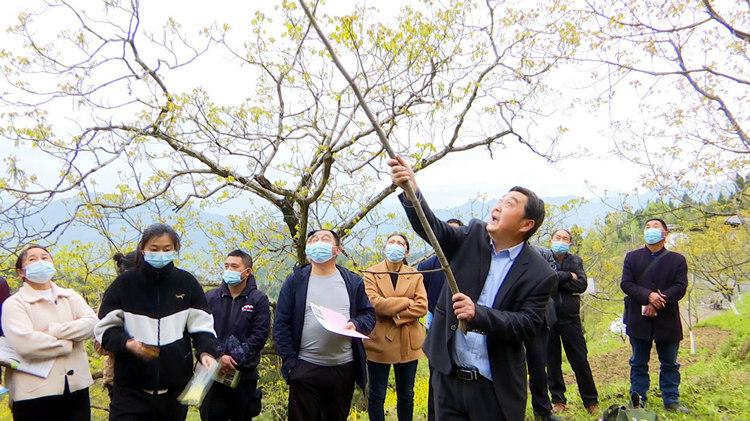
column 466, row 374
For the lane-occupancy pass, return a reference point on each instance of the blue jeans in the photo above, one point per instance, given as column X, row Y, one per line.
column 669, row 369
column 404, row 373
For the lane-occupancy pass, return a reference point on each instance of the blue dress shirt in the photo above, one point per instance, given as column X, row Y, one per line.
column 470, row 349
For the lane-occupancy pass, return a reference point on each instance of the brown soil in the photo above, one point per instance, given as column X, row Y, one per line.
column 614, row 365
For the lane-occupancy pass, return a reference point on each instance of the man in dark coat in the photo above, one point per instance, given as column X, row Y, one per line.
column 242, row 321
column 536, row 355
column 505, row 285
column 654, row 280
column 571, row 283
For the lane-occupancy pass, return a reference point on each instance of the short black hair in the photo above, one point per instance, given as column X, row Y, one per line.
column 335, row 235
column 125, row 262
column 455, row 221
column 534, row 209
column 247, row 259
column 566, row 231
column 661, row 221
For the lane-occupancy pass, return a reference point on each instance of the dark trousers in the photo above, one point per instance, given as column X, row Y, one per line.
column 430, row 397
column 404, row 374
column 137, row 405
column 319, row 393
column 571, row 335
column 669, row 369
column 457, row 399
column 74, row 406
column 223, row 403
column 536, row 360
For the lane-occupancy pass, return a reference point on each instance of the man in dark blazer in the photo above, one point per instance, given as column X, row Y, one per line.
column 654, row 280
column 505, row 286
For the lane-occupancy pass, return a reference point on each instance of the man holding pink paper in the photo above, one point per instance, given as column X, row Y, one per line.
column 322, row 355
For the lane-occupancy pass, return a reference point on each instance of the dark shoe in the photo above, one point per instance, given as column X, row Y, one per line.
column 676, row 407
column 593, row 409
column 559, row 407
column 636, row 400
column 548, row 417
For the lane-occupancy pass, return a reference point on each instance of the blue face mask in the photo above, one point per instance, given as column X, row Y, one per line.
column 159, row 259
column 40, row 272
column 560, row 247
column 319, row 252
column 395, row 252
column 652, row 235
column 232, row 278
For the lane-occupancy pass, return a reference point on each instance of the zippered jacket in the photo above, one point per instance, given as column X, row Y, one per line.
column 290, row 319
column 165, row 308
column 242, row 323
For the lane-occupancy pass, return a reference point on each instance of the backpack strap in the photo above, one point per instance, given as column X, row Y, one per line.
column 652, row 264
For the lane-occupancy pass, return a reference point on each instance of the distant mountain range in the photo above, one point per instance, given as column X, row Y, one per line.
column 585, row 216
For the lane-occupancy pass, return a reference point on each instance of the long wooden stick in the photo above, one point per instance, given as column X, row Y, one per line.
column 410, row 193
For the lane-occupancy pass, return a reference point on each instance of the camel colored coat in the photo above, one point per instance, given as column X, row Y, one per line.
column 398, row 334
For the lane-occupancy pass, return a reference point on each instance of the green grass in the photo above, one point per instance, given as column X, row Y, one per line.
column 715, row 382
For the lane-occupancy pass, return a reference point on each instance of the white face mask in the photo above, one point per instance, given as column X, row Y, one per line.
column 40, row 272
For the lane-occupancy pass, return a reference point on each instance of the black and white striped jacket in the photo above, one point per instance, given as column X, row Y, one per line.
column 164, row 307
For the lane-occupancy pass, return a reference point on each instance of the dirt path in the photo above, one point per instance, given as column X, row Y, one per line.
column 612, row 366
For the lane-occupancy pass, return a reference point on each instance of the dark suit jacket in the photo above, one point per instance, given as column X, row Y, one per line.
column 516, row 315
column 669, row 275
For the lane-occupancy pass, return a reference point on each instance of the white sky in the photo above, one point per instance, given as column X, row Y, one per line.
column 452, row 181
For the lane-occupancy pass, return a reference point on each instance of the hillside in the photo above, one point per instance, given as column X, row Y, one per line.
column 715, row 381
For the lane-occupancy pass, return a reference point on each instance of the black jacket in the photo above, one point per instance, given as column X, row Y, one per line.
column 567, row 299
column 290, row 318
column 516, row 315
column 161, row 307
column 242, row 323
column 668, row 275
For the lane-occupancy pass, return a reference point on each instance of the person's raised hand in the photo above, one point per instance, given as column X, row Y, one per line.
column 402, row 173
column 463, row 307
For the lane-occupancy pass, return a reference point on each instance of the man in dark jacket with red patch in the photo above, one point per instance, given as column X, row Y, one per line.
column 654, row 280
column 242, row 323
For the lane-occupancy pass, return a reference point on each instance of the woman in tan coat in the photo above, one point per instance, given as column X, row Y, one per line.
column 44, row 322
column 397, row 292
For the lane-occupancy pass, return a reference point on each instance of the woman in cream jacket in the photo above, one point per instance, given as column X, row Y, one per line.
column 397, row 292
column 42, row 322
